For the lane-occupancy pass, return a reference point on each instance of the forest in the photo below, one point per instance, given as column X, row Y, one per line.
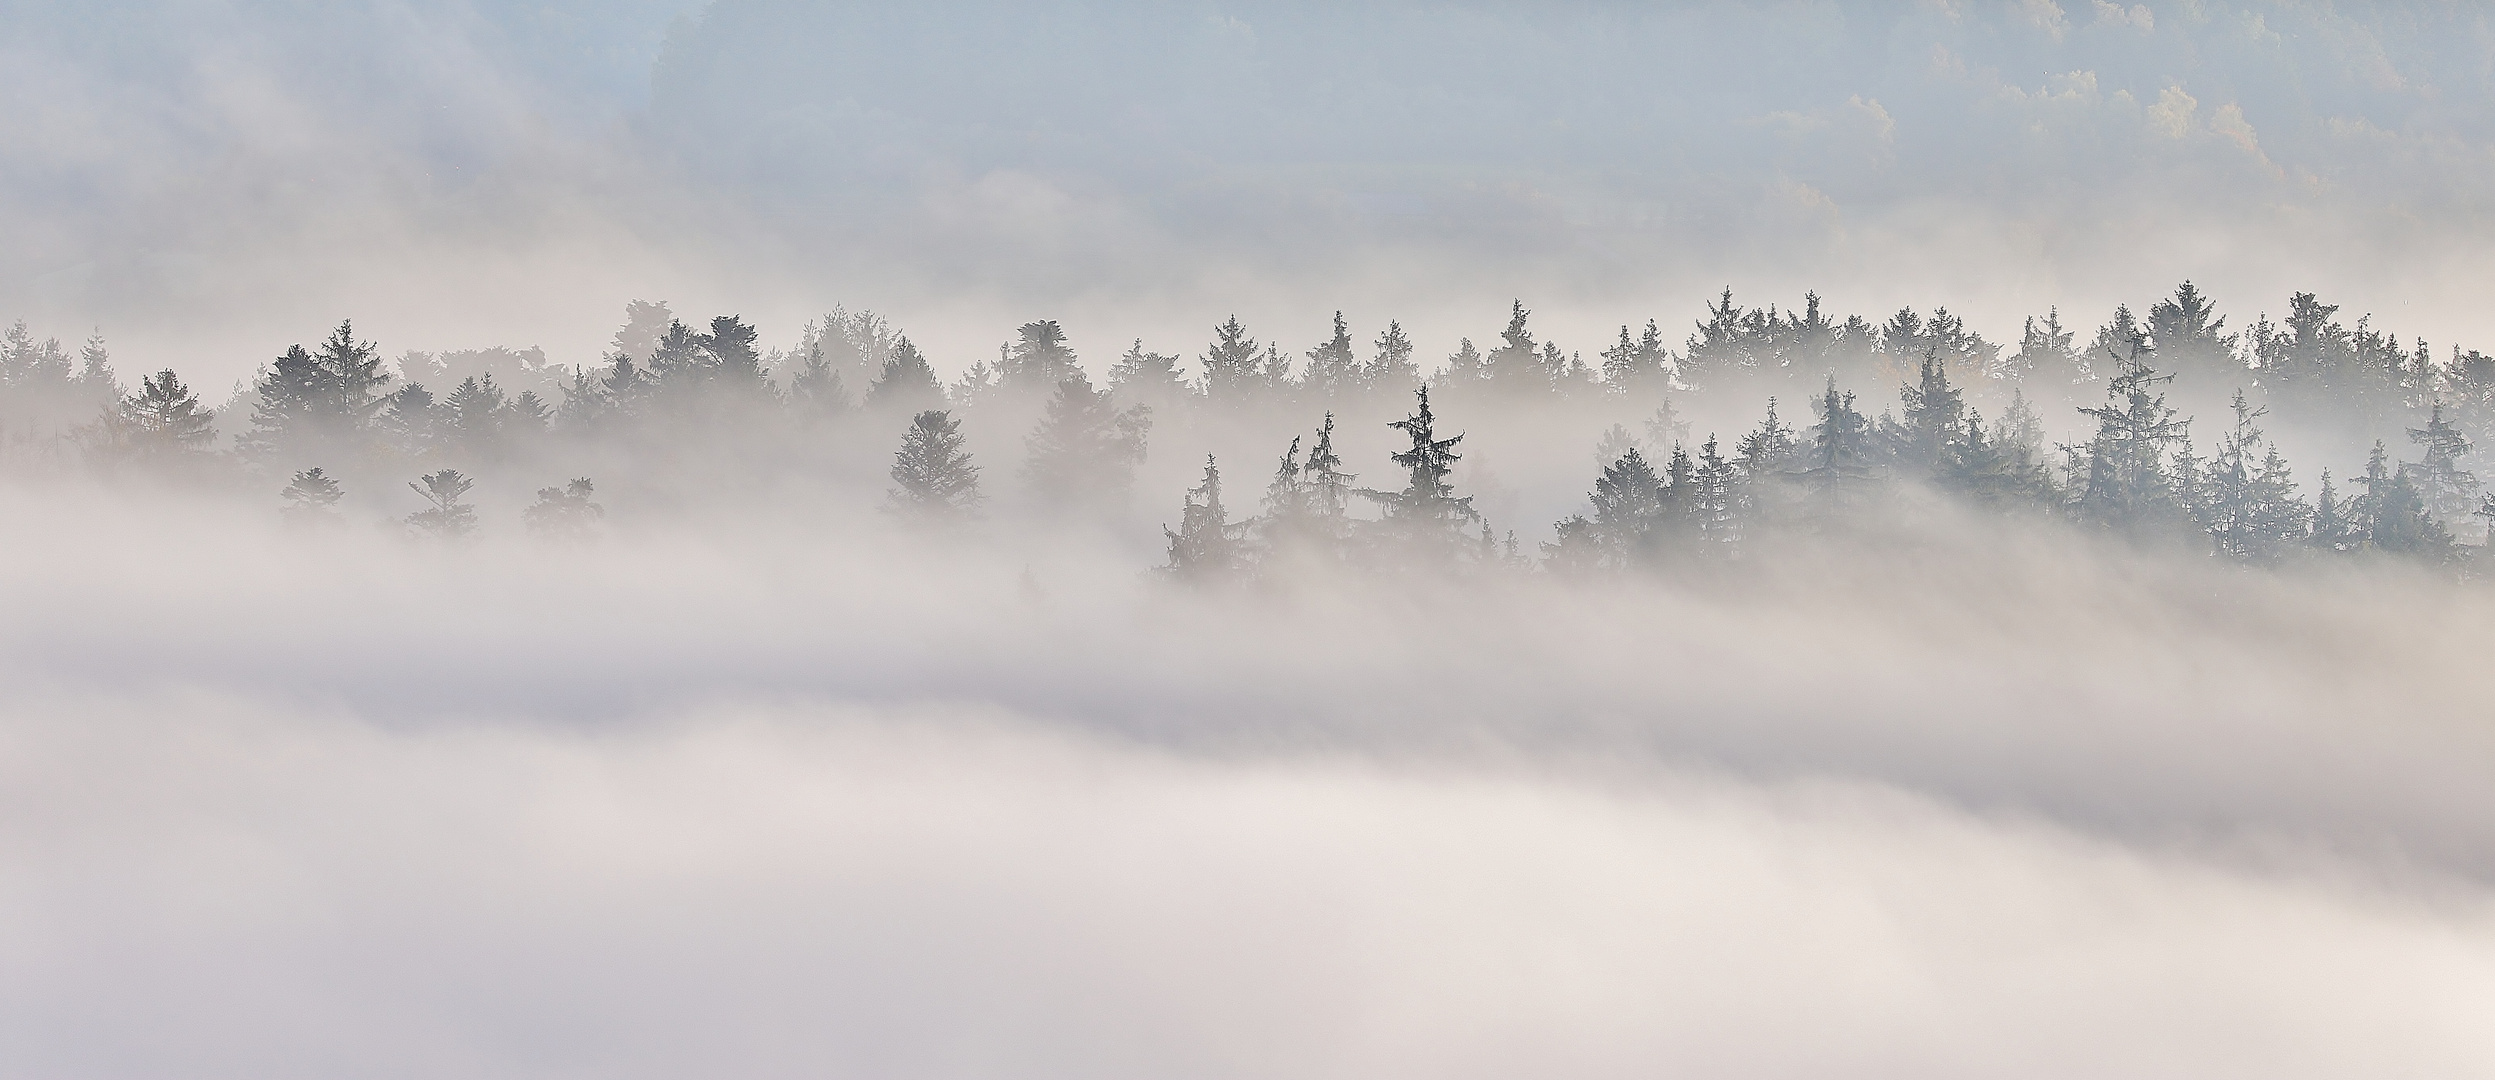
column 2153, row 428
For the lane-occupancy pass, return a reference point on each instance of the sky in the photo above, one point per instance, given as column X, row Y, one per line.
column 207, row 182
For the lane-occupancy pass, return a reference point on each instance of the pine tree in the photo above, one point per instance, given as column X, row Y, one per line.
column 1767, row 449
column 1150, row 379
column 1391, row 366
column 937, row 480
column 447, row 517
column 2128, row 486
column 1333, row 370
column 472, row 417
column 1640, row 369
column 1085, row 448
column 1516, row 367
column 318, row 404
column 906, row 384
column 163, row 422
column 1425, row 521
column 1633, row 526
column 816, row 392
column 1233, row 376
column 2393, row 514
column 1715, row 502
column 2250, row 508
column 2332, row 531
column 1329, row 487
column 410, row 420
column 565, row 513
column 2046, row 356
column 1838, row 468
column 1935, row 418
column 312, row 499
column 2450, row 492
column 1206, row 546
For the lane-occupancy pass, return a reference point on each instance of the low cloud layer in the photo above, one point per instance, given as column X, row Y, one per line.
column 770, row 801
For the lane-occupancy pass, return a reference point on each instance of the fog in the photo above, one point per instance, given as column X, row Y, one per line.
column 852, row 540
column 806, row 802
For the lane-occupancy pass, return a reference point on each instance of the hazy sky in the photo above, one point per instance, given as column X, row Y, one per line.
column 207, row 181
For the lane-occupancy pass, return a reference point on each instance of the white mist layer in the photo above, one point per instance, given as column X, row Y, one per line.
column 764, row 799
column 204, row 887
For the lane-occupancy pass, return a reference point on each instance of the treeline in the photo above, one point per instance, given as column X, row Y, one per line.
column 673, row 408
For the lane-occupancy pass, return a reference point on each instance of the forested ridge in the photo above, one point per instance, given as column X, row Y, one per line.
column 2152, row 427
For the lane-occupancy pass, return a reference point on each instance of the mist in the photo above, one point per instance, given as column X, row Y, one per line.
column 1253, row 539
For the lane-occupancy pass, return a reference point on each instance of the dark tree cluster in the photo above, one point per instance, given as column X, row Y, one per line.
column 1896, row 423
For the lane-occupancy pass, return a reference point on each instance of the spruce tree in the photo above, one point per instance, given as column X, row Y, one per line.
column 162, row 423
column 906, row 384
column 1838, row 462
column 1425, row 521
column 446, row 517
column 1641, row 368
column 312, row 498
column 2450, row 492
column 1150, row 379
column 937, row 481
column 1633, row 526
column 1935, row 418
column 2250, row 508
column 1391, row 365
column 816, row 392
column 1205, row 548
column 1333, row 370
column 1715, row 501
column 1233, row 374
column 318, row 404
column 566, row 513
column 1085, row 449
column 472, row 417
column 2128, row 486
column 2393, row 514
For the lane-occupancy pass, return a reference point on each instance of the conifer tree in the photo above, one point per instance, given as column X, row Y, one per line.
column 1839, row 464
column 566, row 513
column 1150, row 379
column 2250, row 508
column 1333, row 370
column 2332, row 531
column 1206, row 546
column 816, row 392
column 2128, row 485
column 1305, row 518
column 906, row 384
column 1632, row 524
column 161, row 424
column 1639, row 369
column 2393, row 513
column 409, row 420
column 312, row 498
column 1329, row 487
column 1516, row 366
column 315, row 404
column 472, row 417
column 446, row 517
column 2046, row 356
column 1391, row 365
column 937, row 480
column 1233, row 374
column 2450, row 492
column 1715, row 500
column 1935, row 418
column 1425, row 521
column 1085, row 448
